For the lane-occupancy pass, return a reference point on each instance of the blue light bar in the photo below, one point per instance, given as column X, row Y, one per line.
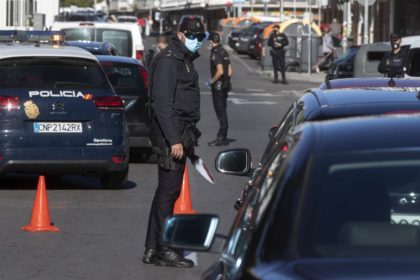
column 18, row 36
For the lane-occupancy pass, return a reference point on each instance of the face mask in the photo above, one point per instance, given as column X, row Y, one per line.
column 395, row 46
column 192, row 45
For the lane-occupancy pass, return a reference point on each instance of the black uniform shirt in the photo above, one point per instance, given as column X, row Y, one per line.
column 175, row 90
column 218, row 56
column 279, row 38
column 394, row 64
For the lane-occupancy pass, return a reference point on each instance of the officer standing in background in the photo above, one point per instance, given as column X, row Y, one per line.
column 174, row 96
column 394, row 63
column 277, row 42
column 221, row 71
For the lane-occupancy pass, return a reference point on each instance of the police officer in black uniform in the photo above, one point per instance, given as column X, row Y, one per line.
column 394, row 63
column 174, row 96
column 277, row 42
column 221, row 71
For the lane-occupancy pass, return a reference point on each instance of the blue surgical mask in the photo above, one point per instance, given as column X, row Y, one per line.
column 192, row 45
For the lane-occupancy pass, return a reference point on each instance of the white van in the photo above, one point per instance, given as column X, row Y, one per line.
column 126, row 37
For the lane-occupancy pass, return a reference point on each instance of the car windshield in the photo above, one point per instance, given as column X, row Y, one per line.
column 125, row 78
column 51, row 73
column 121, row 39
column 364, row 207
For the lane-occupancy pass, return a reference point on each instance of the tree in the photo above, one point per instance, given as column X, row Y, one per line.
column 79, row 3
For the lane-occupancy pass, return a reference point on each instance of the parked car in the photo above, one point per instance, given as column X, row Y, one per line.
column 341, row 98
column 322, row 208
column 233, row 38
column 247, row 36
column 129, row 80
column 343, row 66
column 255, row 45
column 368, row 58
column 125, row 18
column 126, row 37
column 96, row 48
column 59, row 114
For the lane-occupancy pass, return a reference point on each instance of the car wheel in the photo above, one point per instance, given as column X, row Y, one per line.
column 115, row 180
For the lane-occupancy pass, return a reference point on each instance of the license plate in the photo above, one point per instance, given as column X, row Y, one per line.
column 58, row 127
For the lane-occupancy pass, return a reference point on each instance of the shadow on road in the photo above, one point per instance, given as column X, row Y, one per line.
column 30, row 181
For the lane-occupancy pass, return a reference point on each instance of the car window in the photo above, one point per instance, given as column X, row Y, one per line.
column 51, row 73
column 364, row 206
column 284, row 127
column 125, row 78
column 414, row 63
column 121, row 39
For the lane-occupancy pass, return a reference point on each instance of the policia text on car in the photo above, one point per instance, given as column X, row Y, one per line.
column 221, row 71
column 277, row 42
column 175, row 102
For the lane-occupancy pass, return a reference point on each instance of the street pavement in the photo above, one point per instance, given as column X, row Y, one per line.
column 102, row 232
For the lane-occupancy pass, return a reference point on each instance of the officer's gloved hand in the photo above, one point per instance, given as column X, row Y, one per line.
column 208, row 83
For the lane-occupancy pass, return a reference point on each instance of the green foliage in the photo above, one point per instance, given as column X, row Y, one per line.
column 79, row 3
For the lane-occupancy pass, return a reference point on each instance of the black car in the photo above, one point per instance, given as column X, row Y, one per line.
column 341, row 99
column 247, row 37
column 129, row 79
column 96, row 48
column 233, row 38
column 323, row 206
column 342, row 67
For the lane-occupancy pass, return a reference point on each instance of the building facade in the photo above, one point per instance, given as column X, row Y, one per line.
column 27, row 13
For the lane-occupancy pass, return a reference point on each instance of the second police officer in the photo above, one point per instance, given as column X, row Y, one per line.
column 221, row 71
column 174, row 95
column 278, row 41
column 394, row 63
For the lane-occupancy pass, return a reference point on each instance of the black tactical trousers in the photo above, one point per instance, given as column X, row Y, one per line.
column 279, row 64
column 220, row 104
column 167, row 192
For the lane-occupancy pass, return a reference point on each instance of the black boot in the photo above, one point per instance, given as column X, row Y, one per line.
column 220, row 141
column 168, row 257
column 149, row 256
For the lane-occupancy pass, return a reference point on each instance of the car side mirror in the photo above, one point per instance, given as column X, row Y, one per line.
column 235, row 161
column 272, row 131
column 191, row 232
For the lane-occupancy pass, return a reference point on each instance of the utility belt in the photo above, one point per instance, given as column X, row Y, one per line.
column 222, row 85
column 190, row 137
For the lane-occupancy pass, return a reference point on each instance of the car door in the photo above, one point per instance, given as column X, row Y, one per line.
column 238, row 250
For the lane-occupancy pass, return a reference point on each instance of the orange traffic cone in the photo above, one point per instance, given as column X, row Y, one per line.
column 183, row 203
column 40, row 219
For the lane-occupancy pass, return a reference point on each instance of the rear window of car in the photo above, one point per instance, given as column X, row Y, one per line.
column 121, row 39
column 359, row 206
column 125, row 78
column 51, row 73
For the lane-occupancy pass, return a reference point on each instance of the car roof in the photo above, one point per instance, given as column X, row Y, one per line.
column 368, row 83
column 365, row 96
column 87, row 24
column 31, row 50
column 380, row 133
column 87, row 43
column 120, row 59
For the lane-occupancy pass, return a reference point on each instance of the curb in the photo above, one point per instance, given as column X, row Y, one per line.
column 314, row 78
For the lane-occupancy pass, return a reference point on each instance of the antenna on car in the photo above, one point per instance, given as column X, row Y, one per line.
column 327, row 82
column 391, row 82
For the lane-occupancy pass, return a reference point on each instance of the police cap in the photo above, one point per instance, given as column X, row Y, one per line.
column 395, row 37
column 214, row 37
column 192, row 26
